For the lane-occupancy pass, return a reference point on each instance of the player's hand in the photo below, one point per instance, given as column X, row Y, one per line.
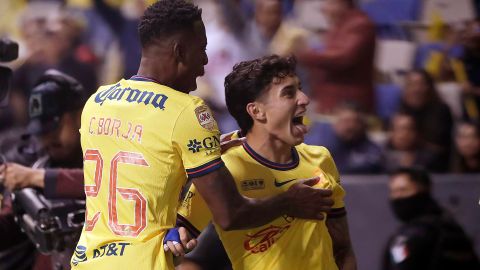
column 16, row 176
column 226, row 141
column 179, row 242
column 307, row 202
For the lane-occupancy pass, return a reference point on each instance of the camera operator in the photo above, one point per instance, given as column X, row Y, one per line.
column 55, row 107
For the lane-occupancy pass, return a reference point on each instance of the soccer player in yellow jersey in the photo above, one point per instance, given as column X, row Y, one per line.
column 143, row 137
column 265, row 97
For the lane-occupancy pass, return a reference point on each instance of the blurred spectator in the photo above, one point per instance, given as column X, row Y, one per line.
column 429, row 238
column 57, row 43
column 53, row 42
column 234, row 36
column 123, row 23
column 353, row 151
column 406, row 148
column 343, row 70
column 467, row 142
column 224, row 50
column 471, row 42
column 433, row 117
column 267, row 32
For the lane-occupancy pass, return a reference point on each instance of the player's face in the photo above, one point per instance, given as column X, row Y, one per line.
column 402, row 187
column 63, row 143
column 284, row 105
column 195, row 58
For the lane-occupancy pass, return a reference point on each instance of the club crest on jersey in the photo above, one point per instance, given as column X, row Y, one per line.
column 205, row 117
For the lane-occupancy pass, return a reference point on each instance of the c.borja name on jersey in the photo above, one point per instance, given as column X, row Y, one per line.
column 116, row 93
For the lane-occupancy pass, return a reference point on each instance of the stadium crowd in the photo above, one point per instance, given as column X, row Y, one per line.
column 386, row 93
column 424, row 113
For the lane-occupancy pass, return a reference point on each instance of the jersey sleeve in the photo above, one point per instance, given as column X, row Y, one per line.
column 197, row 139
column 331, row 174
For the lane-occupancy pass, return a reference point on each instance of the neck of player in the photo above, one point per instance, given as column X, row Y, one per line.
column 269, row 147
column 165, row 74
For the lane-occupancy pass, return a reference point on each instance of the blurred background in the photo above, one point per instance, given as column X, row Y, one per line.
column 393, row 83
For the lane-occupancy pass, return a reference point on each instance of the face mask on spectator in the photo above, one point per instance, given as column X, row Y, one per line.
column 408, row 208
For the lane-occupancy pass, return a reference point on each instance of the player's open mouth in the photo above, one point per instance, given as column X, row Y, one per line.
column 297, row 122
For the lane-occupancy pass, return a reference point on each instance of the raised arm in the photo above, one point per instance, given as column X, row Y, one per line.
column 233, row 211
column 342, row 246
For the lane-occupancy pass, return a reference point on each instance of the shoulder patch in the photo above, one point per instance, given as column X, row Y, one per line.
column 205, row 117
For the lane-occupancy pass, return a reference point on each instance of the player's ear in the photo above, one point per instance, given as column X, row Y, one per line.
column 178, row 51
column 256, row 111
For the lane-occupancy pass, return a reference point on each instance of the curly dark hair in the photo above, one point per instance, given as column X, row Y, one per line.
column 249, row 79
column 167, row 17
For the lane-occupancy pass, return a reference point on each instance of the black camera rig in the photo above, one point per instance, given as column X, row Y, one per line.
column 49, row 224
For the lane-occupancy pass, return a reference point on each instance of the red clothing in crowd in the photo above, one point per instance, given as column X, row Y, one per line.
column 344, row 70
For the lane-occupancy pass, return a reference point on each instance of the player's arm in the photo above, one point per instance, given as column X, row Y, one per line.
column 231, row 210
column 337, row 224
column 342, row 246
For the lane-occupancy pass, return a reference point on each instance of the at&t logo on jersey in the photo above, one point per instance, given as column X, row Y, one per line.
column 262, row 240
column 116, row 93
column 112, row 249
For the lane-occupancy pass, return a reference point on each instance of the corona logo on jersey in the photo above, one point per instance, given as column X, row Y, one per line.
column 117, row 93
column 264, row 239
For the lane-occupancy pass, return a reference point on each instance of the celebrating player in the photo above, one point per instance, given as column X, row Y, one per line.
column 142, row 137
column 265, row 97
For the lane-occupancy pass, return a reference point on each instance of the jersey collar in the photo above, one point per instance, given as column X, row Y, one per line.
column 270, row 164
column 143, row 79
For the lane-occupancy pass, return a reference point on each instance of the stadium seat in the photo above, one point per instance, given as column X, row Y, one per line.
column 388, row 99
column 388, row 14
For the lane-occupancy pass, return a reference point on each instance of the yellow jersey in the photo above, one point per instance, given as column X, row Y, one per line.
column 286, row 242
column 141, row 141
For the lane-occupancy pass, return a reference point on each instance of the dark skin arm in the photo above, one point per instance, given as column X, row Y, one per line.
column 233, row 211
column 342, row 246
